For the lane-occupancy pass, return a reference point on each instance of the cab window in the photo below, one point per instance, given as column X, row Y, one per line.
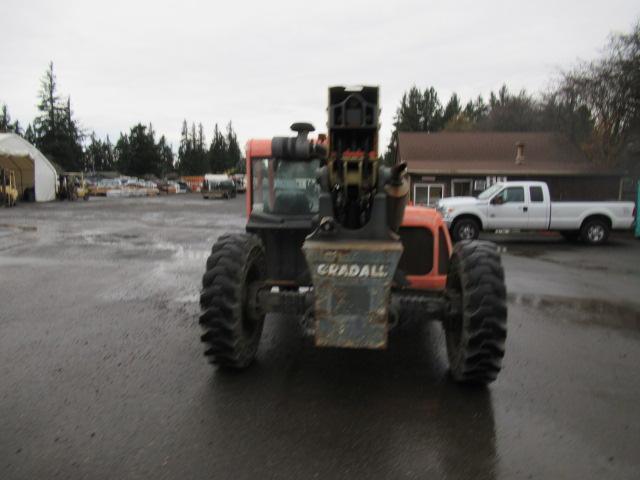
column 510, row 195
column 536, row 194
column 285, row 187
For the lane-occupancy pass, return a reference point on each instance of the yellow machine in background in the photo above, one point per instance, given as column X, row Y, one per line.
column 72, row 186
column 8, row 189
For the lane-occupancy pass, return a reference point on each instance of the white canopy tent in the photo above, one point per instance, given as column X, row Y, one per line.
column 31, row 167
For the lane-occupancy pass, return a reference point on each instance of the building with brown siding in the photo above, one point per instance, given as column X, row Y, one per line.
column 449, row 164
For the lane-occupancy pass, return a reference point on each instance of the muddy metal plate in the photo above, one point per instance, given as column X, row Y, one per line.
column 352, row 282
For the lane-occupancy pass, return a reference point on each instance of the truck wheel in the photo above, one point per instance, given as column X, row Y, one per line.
column 232, row 329
column 476, row 313
column 594, row 231
column 465, row 229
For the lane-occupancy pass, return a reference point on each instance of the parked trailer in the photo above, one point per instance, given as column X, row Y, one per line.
column 218, row 186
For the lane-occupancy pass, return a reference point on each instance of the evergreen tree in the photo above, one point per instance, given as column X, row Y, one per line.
column 109, row 157
column 93, row 153
column 99, row 155
column 166, row 156
column 409, row 116
column 459, row 123
column 217, row 151
column 192, row 153
column 234, row 154
column 223, row 154
column 56, row 132
column 431, row 111
column 30, row 135
column 512, row 113
column 5, row 122
column 452, row 110
column 185, row 150
column 418, row 112
column 201, row 161
column 476, row 111
column 122, row 153
column 138, row 153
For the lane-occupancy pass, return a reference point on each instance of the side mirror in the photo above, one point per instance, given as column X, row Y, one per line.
column 497, row 200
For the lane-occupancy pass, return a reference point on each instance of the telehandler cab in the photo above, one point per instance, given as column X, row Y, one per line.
column 329, row 238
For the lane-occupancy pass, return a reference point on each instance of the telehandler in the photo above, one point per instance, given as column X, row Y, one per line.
column 330, row 238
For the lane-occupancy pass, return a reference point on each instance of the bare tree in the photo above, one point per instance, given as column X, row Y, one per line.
column 610, row 89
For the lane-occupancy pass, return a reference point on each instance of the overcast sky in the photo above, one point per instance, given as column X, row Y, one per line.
column 266, row 64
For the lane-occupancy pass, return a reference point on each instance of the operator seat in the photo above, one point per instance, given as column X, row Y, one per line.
column 291, row 202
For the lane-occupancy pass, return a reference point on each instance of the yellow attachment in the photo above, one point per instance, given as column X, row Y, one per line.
column 352, row 173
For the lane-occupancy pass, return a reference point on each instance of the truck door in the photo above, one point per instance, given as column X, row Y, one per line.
column 538, row 209
column 508, row 209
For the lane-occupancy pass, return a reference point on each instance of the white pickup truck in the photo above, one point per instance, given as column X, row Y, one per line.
column 528, row 206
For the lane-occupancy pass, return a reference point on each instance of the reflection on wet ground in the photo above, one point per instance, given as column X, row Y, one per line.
column 593, row 311
column 24, row 228
column 345, row 413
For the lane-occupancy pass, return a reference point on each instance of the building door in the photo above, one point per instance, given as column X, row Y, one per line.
column 427, row 193
column 461, row 188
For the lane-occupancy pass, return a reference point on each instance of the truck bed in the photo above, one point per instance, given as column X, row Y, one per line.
column 569, row 215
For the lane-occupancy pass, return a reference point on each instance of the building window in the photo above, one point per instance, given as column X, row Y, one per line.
column 492, row 180
column 461, row 187
column 479, row 185
column 427, row 193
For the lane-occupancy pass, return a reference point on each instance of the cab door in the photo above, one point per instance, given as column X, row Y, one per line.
column 508, row 209
column 538, row 209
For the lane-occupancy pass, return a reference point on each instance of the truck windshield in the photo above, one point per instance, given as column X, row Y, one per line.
column 285, row 187
column 489, row 192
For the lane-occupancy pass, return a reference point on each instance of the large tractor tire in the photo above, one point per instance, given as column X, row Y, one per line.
column 476, row 313
column 232, row 328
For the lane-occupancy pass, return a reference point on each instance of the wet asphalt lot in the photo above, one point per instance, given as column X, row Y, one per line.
column 102, row 374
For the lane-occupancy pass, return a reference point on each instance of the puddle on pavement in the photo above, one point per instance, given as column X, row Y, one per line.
column 132, row 246
column 24, row 228
column 528, row 250
column 110, row 238
column 584, row 310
